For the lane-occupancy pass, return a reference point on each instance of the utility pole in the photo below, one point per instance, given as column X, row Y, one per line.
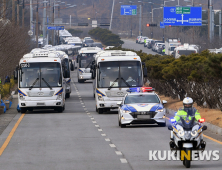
column 140, row 20
column 220, row 25
column 18, row 12
column 53, row 17
column 13, row 12
column 4, row 9
column 23, row 14
column 131, row 24
column 44, row 23
column 31, row 16
column 37, row 24
column 111, row 16
column 210, row 20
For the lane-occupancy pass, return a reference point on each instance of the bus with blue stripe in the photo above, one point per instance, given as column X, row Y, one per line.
column 41, row 82
column 113, row 73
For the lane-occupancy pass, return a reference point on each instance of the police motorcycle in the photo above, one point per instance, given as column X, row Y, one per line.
column 187, row 136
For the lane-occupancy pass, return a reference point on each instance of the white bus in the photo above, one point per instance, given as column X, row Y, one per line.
column 114, row 72
column 41, row 84
column 84, row 61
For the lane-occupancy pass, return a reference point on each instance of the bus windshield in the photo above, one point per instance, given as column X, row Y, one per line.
column 40, row 75
column 186, row 52
column 86, row 60
column 120, row 74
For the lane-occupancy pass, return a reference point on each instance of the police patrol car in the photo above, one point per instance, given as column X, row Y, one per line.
column 141, row 106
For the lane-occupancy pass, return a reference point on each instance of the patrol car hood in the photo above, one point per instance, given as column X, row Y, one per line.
column 152, row 107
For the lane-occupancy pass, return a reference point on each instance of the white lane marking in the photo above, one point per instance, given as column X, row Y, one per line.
column 83, row 106
column 96, row 125
column 123, row 160
column 118, row 153
column 100, row 130
column 107, row 139
column 103, row 134
column 82, row 103
column 88, row 113
column 92, row 118
column 94, row 121
column 112, row 145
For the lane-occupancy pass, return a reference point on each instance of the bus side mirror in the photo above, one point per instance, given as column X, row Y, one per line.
column 145, row 72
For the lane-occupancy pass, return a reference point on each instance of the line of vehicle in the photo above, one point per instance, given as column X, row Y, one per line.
column 206, row 136
column 5, row 144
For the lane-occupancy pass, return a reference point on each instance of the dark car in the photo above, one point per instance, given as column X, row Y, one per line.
column 88, row 43
column 95, row 44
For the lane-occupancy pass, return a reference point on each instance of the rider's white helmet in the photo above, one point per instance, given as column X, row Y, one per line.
column 188, row 102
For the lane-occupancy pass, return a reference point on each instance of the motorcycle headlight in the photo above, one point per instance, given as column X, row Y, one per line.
column 180, row 133
column 194, row 133
column 125, row 111
column 100, row 98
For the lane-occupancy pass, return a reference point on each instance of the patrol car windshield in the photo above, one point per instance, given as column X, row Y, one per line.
column 40, row 75
column 86, row 60
column 118, row 74
column 186, row 52
column 130, row 99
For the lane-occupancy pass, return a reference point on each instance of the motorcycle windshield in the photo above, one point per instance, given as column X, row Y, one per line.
column 187, row 124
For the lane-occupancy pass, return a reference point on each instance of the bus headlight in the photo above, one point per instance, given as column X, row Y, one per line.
column 100, row 98
column 21, row 96
column 59, row 97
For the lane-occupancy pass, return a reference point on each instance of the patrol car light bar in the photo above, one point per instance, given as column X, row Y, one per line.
column 142, row 89
column 147, row 89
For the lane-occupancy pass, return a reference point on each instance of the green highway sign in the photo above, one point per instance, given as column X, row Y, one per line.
column 133, row 11
column 182, row 10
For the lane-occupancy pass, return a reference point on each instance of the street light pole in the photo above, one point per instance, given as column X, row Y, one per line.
column 18, row 12
column 44, row 23
column 110, row 27
column 37, row 24
column 31, row 15
column 23, row 14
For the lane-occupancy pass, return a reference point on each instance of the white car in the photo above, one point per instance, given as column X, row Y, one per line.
column 141, row 106
column 141, row 40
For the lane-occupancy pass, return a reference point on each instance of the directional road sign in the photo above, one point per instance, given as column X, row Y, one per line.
column 56, row 28
column 162, row 25
column 182, row 16
column 128, row 10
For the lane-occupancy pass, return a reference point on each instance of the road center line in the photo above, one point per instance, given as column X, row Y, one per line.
column 10, row 135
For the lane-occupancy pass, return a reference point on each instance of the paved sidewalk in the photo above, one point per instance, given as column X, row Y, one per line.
column 7, row 117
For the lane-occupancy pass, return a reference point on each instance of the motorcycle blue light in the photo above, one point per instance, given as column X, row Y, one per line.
column 172, row 120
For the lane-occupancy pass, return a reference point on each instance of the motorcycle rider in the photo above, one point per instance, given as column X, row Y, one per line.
column 187, row 111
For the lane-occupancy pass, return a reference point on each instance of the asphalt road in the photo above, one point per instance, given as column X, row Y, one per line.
column 130, row 44
column 81, row 139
